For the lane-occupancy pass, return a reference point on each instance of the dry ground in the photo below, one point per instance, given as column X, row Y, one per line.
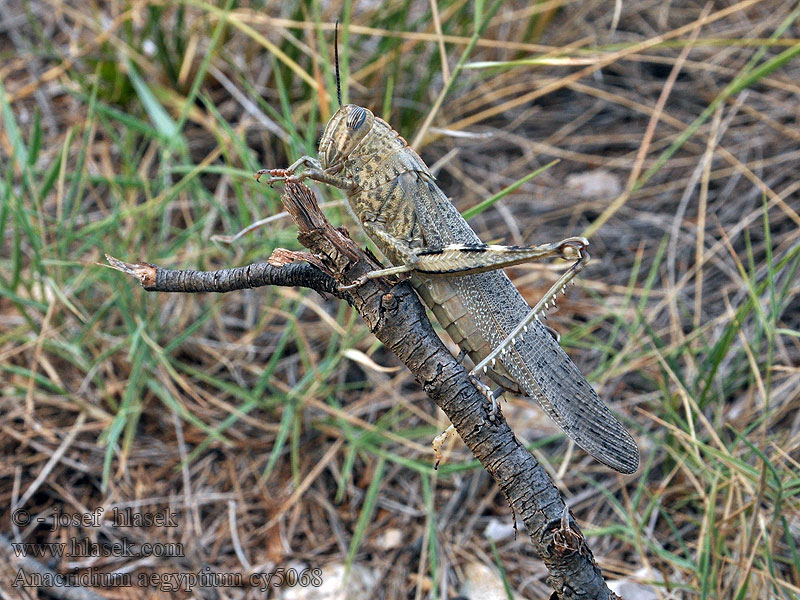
column 270, row 423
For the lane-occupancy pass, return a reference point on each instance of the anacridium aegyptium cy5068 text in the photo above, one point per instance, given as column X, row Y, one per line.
column 417, row 228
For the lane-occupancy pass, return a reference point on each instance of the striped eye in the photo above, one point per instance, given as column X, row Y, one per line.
column 356, row 118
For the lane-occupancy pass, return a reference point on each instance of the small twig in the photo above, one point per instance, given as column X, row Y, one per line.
column 158, row 279
column 229, row 239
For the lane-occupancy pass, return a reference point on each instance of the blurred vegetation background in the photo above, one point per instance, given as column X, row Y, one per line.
column 271, row 422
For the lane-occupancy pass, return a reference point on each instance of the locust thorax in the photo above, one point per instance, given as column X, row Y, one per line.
column 342, row 134
column 378, row 166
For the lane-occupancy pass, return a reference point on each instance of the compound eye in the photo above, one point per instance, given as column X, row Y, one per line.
column 356, row 117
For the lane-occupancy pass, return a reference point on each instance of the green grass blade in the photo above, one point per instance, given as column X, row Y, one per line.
column 485, row 204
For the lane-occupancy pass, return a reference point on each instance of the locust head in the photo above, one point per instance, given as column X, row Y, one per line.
column 342, row 134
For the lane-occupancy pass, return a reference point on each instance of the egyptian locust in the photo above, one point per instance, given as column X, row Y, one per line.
column 417, row 228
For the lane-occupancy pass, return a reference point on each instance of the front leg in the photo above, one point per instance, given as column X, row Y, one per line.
column 304, row 161
column 313, row 171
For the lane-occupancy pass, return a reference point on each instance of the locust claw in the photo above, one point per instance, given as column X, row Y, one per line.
column 357, row 283
column 276, row 175
column 487, row 392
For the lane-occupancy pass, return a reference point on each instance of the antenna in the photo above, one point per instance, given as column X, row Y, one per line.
column 336, row 60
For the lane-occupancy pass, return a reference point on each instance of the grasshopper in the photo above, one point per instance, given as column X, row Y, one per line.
column 417, row 228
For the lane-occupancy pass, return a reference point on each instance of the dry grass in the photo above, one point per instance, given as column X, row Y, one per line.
column 133, row 127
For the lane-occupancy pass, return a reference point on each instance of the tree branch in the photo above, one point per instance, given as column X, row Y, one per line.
column 395, row 316
column 295, row 274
